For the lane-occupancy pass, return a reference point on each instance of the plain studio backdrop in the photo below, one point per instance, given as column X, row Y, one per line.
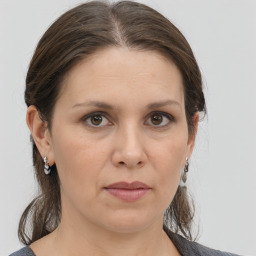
column 222, row 34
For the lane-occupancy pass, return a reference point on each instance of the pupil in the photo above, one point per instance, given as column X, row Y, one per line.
column 157, row 119
column 96, row 120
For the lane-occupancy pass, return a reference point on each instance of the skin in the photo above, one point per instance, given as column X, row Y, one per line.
column 126, row 146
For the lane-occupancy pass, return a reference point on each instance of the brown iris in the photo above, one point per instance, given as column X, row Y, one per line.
column 96, row 120
column 156, row 119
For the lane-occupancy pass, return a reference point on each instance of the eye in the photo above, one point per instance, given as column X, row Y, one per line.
column 160, row 119
column 157, row 119
column 96, row 120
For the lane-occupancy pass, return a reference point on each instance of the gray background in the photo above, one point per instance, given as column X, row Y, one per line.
column 222, row 175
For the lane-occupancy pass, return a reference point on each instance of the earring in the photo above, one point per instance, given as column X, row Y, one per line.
column 47, row 168
column 184, row 175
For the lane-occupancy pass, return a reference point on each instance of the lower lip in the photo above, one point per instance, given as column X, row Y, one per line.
column 129, row 195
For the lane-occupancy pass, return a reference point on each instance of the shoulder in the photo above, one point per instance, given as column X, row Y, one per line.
column 189, row 248
column 198, row 249
column 25, row 251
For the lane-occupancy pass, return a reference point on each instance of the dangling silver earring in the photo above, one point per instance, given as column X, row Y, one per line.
column 184, row 175
column 47, row 168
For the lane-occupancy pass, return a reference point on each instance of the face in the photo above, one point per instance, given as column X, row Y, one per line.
column 120, row 117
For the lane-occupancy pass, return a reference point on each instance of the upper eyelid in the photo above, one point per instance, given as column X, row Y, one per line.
column 107, row 115
column 94, row 114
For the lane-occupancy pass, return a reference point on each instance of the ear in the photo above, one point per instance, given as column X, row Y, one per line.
column 40, row 133
column 192, row 136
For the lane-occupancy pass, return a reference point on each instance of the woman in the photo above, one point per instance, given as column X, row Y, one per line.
column 114, row 95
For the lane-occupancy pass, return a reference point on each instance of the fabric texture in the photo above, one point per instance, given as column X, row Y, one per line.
column 188, row 248
column 26, row 251
column 185, row 248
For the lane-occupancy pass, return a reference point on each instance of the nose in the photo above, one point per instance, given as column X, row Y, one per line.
column 129, row 149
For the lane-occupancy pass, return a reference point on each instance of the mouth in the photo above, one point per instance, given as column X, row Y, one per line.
column 128, row 191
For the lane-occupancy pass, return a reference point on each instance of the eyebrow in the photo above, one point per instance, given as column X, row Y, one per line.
column 105, row 105
column 163, row 103
column 94, row 104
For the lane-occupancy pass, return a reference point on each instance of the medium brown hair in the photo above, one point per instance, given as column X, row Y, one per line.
column 77, row 34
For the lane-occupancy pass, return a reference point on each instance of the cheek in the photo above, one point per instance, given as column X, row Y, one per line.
column 72, row 146
column 79, row 161
column 168, row 162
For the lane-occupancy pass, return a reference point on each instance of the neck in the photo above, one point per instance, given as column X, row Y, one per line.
column 77, row 236
column 94, row 241
column 88, row 239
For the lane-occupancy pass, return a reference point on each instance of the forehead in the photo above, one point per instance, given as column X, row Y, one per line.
column 118, row 73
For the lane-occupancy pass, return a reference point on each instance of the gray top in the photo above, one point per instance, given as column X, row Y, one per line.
column 185, row 248
column 26, row 251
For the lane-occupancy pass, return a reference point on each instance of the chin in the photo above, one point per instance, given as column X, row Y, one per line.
column 128, row 222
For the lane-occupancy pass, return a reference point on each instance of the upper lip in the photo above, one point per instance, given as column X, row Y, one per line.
column 127, row 185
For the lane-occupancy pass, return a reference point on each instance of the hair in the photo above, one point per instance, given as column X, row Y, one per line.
column 74, row 36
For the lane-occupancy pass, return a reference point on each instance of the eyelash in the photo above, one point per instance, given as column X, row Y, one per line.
column 103, row 114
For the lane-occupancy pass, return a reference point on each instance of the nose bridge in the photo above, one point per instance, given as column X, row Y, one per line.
column 129, row 147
